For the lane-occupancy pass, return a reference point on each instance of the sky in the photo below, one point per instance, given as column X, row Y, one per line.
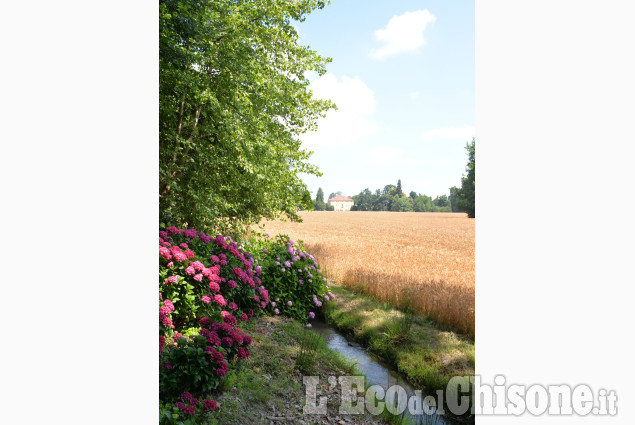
column 402, row 76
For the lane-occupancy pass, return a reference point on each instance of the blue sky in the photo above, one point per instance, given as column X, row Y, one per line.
column 402, row 76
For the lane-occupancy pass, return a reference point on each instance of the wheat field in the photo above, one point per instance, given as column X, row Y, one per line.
column 420, row 261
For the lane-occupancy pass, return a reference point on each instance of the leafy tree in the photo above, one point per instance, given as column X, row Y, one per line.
column 399, row 191
column 413, row 195
column 401, row 204
column 465, row 196
column 422, row 203
column 389, row 189
column 453, row 199
column 233, row 101
column 441, row 201
column 334, row 194
column 319, row 201
column 363, row 201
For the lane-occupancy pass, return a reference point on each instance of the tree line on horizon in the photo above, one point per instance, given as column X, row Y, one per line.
column 393, row 198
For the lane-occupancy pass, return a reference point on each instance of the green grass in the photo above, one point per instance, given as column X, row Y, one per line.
column 425, row 353
column 272, row 376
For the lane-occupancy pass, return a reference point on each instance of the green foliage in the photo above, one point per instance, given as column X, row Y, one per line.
column 465, row 196
column 290, row 275
column 187, row 367
column 169, row 414
column 401, row 204
column 393, row 198
column 319, row 205
column 233, row 101
column 309, row 343
column 398, row 329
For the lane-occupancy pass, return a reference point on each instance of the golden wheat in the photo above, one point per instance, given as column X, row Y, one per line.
column 420, row 261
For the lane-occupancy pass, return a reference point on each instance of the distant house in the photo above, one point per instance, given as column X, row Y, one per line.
column 341, row 203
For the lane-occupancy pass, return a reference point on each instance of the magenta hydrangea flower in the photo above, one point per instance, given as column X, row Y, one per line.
column 190, row 270
column 214, row 287
column 220, row 300
column 170, row 264
column 244, row 317
column 233, row 306
column 179, row 256
column 206, row 299
column 311, row 315
column 209, row 405
column 173, row 279
column 198, row 277
column 190, row 233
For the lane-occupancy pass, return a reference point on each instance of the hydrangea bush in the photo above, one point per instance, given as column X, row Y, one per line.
column 203, row 276
column 198, row 363
column 207, row 286
column 295, row 282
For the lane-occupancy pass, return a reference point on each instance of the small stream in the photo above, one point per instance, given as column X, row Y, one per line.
column 377, row 372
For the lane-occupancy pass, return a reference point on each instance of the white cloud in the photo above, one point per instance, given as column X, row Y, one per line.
column 382, row 155
column 450, row 133
column 411, row 161
column 351, row 121
column 403, row 34
column 414, row 95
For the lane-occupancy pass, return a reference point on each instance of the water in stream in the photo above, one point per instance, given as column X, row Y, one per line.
column 376, row 371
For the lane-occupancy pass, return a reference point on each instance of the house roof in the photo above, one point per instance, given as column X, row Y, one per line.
column 341, row 198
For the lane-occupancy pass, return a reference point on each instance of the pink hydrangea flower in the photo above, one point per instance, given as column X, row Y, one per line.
column 220, row 300
column 214, row 287
column 168, row 303
column 206, row 299
column 233, row 306
column 179, row 256
column 198, row 277
column 190, row 270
